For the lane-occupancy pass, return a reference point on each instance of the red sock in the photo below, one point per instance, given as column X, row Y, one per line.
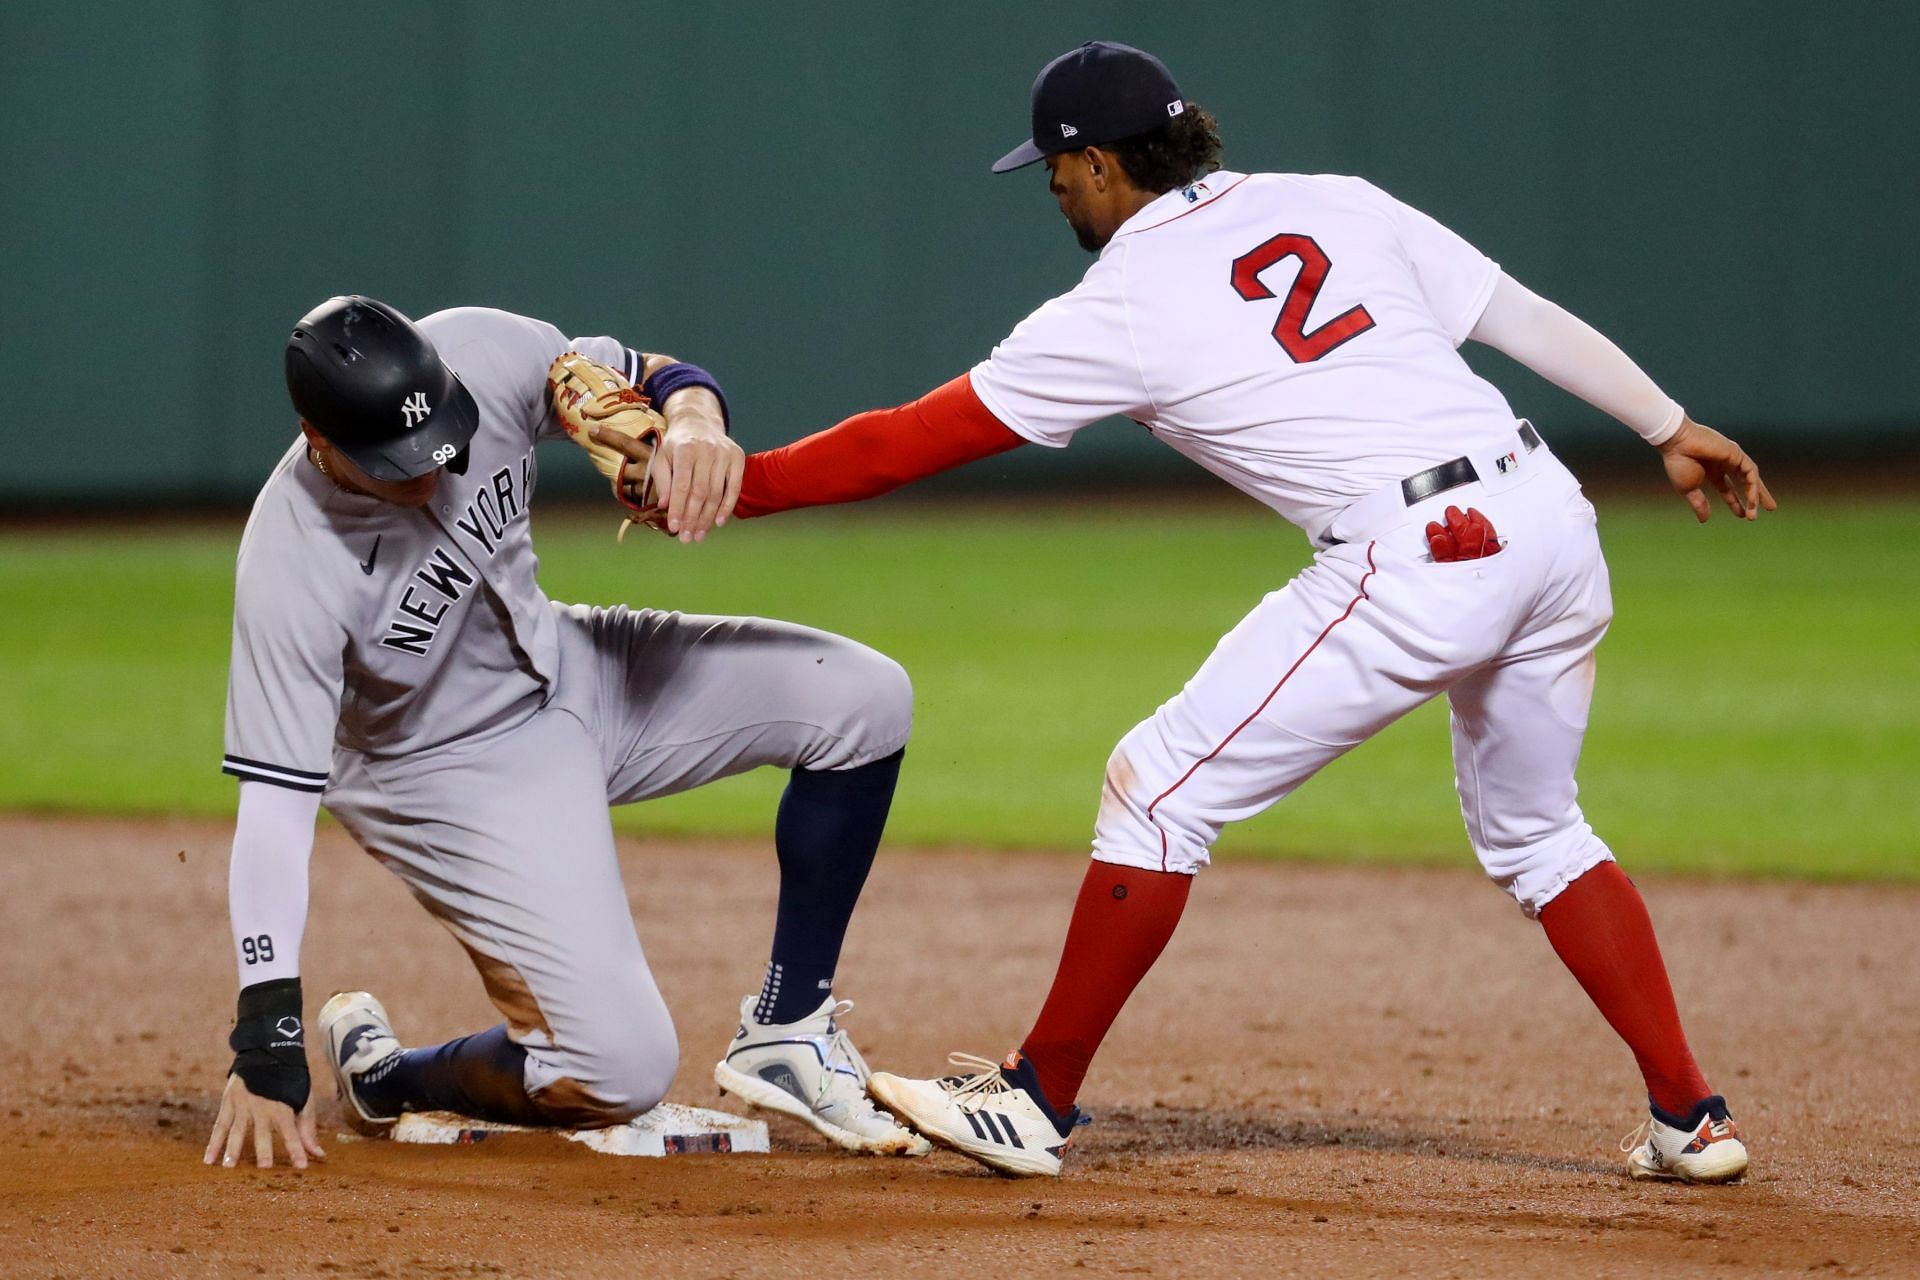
column 1121, row 922
column 1601, row 930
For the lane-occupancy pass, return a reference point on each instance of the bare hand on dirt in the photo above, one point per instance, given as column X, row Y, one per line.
column 241, row 1112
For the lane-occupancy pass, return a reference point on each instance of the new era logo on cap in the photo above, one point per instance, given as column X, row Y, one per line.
column 1110, row 91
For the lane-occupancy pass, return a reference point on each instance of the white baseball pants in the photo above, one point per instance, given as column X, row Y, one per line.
column 1369, row 631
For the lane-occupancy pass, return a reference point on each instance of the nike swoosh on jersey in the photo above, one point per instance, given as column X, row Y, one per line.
column 366, row 566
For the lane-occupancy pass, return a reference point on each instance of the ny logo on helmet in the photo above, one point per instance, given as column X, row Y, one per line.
column 415, row 408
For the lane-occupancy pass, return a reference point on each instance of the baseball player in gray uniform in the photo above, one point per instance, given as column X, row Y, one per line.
column 395, row 659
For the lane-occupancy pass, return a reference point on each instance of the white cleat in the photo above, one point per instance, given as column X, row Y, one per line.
column 993, row 1114
column 359, row 1039
column 810, row 1070
column 1704, row 1147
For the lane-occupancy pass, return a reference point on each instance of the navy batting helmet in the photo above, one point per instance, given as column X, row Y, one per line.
column 366, row 378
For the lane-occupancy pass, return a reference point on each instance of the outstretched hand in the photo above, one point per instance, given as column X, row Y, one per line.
column 694, row 474
column 1696, row 455
column 242, row 1112
column 699, row 472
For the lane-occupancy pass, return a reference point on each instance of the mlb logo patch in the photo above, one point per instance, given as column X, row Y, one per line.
column 1506, row 462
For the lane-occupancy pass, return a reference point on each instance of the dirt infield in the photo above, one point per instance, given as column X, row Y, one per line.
column 1384, row 1072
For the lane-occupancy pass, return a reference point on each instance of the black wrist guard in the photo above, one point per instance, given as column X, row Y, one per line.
column 269, row 1043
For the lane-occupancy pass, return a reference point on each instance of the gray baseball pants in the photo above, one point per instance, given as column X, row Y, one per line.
column 505, row 836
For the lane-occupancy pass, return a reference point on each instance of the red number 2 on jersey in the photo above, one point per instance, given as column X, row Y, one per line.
column 1290, row 329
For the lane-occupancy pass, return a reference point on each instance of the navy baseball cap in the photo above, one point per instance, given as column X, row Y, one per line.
column 1096, row 94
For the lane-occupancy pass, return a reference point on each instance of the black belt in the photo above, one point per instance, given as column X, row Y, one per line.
column 1451, row 475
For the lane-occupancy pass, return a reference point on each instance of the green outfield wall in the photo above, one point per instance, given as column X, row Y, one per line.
column 797, row 195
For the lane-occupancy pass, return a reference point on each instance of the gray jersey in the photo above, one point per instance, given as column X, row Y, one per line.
column 471, row 735
column 387, row 630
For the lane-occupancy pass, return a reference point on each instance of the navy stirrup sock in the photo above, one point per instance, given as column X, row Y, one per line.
column 826, row 835
column 481, row 1076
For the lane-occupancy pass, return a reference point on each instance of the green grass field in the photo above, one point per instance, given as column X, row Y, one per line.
column 1758, row 709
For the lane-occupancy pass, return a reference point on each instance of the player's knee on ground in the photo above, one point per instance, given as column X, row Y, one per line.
column 623, row 1072
column 1535, row 870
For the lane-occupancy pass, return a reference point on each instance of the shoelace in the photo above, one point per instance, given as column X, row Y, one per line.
column 985, row 1082
column 841, row 1047
column 981, row 1082
column 1642, row 1132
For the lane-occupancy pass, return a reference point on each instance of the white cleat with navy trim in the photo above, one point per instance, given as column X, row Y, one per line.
column 994, row 1113
column 1702, row 1147
column 810, row 1070
column 360, row 1040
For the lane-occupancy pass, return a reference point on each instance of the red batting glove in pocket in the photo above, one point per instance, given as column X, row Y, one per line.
column 1466, row 535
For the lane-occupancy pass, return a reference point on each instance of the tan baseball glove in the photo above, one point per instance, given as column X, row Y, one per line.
column 587, row 395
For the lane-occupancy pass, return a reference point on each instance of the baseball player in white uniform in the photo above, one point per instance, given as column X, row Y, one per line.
column 1298, row 336
column 395, row 659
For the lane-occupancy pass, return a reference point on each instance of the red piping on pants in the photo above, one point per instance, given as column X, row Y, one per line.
column 1271, row 694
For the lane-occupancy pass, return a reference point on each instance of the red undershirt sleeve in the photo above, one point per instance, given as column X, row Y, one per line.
column 875, row 452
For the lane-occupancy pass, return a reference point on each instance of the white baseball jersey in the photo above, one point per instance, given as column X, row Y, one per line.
column 1295, row 335
column 1298, row 336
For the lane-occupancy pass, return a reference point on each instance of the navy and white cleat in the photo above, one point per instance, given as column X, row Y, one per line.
column 1702, row 1147
column 810, row 1070
column 995, row 1113
column 359, row 1040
